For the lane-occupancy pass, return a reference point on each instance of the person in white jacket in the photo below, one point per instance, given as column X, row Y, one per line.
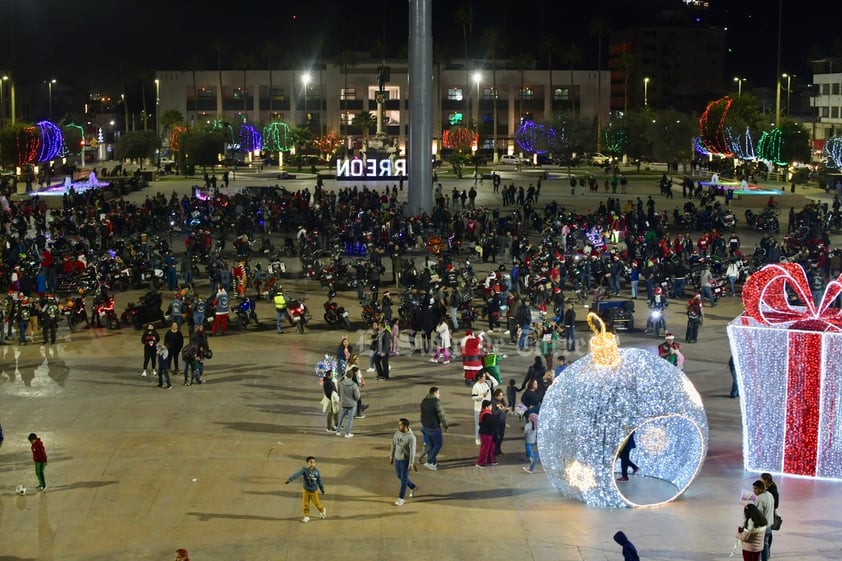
column 733, row 274
column 443, row 342
column 480, row 391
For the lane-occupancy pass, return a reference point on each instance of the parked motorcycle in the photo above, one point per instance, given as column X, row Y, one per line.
column 246, row 312
column 103, row 312
column 299, row 313
column 336, row 314
column 147, row 311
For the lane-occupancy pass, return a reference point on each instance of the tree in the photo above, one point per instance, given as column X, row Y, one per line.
column 522, row 62
column 493, row 41
column 138, row 145
column 464, row 17
column 547, row 45
column 344, row 62
column 572, row 56
column 170, row 119
column 270, row 49
column 599, row 28
column 364, row 121
column 301, row 137
column 626, row 62
column 570, row 135
column 245, row 61
column 201, row 148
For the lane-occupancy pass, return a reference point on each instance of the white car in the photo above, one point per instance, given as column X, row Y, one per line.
column 600, row 159
column 512, row 160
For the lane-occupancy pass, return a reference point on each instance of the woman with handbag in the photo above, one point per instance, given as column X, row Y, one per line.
column 751, row 533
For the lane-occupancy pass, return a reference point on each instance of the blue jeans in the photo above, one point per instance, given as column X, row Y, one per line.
column 732, row 281
column 634, row 284
column 524, row 337
column 402, row 471
column 454, row 318
column 615, row 284
column 279, row 315
column 347, row 412
column 570, row 337
column 532, row 455
column 767, row 545
column 678, row 287
column 435, row 441
column 707, row 292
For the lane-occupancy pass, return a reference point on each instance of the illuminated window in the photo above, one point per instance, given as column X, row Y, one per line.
column 490, row 93
column 240, row 93
column 205, row 92
column 347, row 118
column 454, row 94
column 348, row 93
column 561, row 94
column 455, row 118
column 527, row 93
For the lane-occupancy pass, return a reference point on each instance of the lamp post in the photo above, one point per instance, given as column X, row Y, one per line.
column 477, row 79
column 305, row 79
column 3, row 80
column 788, row 91
column 646, row 92
column 739, row 86
column 157, row 108
column 50, row 97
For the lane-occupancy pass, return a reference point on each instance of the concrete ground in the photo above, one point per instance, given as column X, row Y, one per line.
column 138, row 471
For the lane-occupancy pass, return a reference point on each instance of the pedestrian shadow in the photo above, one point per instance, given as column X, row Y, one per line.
column 83, row 485
column 208, row 516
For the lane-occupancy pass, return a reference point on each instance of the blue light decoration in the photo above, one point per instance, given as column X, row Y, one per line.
column 595, row 237
column 51, row 141
column 250, row 139
column 327, row 364
column 700, row 147
column 833, row 150
column 741, row 146
column 590, row 410
column 534, row 138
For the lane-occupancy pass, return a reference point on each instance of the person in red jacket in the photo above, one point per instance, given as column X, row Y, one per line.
column 39, row 456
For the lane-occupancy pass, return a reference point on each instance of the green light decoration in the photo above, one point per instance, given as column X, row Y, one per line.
column 65, row 149
column 277, row 137
column 224, row 126
column 769, row 147
column 616, row 140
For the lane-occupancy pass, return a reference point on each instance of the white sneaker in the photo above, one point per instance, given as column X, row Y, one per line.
column 447, row 362
column 434, row 360
column 323, row 514
column 154, row 373
column 369, row 369
column 306, row 519
column 433, row 467
column 350, row 435
column 399, row 502
column 143, row 374
column 478, row 441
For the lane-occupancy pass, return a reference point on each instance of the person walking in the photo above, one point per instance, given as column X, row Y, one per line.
column 39, row 457
column 629, row 550
column 625, row 458
column 281, row 311
column 751, row 533
column 443, row 342
column 570, row 328
column 311, row 479
column 695, row 315
column 349, row 394
column 530, row 437
column 222, row 306
column 381, row 354
column 149, row 340
column 402, row 456
column 433, row 420
column 486, row 433
column 331, row 406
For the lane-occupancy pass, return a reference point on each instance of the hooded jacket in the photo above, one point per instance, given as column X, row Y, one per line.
column 629, row 550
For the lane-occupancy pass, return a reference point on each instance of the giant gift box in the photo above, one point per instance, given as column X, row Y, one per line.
column 789, row 367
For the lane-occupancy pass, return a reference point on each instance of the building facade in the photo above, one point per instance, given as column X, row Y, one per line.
column 826, row 101
column 326, row 98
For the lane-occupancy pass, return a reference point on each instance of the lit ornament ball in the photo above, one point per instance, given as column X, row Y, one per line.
column 592, row 407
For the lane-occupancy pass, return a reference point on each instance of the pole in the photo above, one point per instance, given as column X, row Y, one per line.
column 420, row 164
column 778, row 104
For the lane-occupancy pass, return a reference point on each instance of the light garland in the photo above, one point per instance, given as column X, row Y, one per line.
column 833, row 150
column 28, row 143
column 769, row 147
column 534, row 138
column 250, row 139
column 788, row 361
column 51, row 141
column 742, row 147
column 277, row 137
column 711, row 130
column 592, row 407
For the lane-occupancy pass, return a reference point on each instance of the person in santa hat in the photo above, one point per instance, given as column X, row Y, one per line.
column 471, row 346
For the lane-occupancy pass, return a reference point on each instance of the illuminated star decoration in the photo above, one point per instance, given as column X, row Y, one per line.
column 788, row 360
column 591, row 408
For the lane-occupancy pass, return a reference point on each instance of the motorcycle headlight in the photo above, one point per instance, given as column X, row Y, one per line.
column 656, row 313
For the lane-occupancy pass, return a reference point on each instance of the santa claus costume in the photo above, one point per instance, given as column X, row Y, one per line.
column 471, row 346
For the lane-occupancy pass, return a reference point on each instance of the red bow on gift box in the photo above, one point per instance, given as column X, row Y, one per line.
column 766, row 300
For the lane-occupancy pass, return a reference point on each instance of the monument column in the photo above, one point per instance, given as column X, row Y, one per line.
column 421, row 109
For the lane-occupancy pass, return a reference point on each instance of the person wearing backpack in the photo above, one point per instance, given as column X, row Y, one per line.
column 49, row 318
column 24, row 313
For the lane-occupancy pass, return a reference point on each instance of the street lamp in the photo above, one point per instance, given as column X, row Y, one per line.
column 739, row 86
column 3, row 80
column 157, row 108
column 477, row 79
column 50, row 97
column 306, row 80
column 646, row 92
column 788, row 90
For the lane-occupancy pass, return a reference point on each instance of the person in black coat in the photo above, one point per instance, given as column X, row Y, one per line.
column 174, row 340
column 629, row 550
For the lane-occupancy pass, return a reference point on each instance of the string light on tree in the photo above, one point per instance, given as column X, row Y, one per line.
column 769, row 147
column 250, row 139
column 833, row 150
column 28, row 142
column 590, row 410
column 51, row 141
column 712, row 126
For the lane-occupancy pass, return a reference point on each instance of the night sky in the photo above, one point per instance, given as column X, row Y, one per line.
column 98, row 42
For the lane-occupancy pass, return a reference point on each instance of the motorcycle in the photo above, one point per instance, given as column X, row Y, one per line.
column 336, row 314
column 299, row 313
column 75, row 313
column 467, row 314
column 656, row 322
column 246, row 312
column 146, row 312
column 371, row 312
column 104, row 313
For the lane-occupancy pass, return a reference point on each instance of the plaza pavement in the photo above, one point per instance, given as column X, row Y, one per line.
column 136, row 472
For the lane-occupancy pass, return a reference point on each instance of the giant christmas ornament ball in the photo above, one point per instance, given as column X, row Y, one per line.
column 592, row 407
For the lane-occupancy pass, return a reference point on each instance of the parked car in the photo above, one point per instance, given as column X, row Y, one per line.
column 600, row 159
column 512, row 160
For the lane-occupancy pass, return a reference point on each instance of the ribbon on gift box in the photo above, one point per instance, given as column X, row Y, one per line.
column 766, row 300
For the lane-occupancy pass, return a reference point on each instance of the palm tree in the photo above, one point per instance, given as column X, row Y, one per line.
column 521, row 62
column 548, row 46
column 464, row 16
column 440, row 59
column 270, row 49
column 345, row 60
column 195, row 63
column 364, row 120
column 572, row 56
column 599, row 28
column 626, row 62
column 245, row 61
column 492, row 39
column 218, row 45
